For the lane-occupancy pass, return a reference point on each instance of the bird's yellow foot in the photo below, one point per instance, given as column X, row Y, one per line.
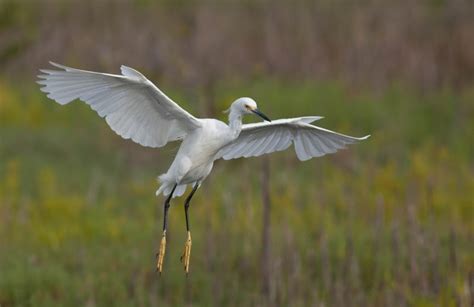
column 186, row 253
column 161, row 253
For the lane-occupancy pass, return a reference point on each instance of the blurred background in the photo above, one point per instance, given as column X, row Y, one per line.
column 388, row 222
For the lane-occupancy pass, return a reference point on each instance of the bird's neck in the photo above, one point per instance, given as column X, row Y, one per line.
column 235, row 121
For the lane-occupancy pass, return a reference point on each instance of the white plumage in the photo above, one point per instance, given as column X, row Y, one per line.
column 136, row 109
column 267, row 137
column 132, row 106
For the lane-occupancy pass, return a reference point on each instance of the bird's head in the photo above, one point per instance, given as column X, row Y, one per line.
column 246, row 105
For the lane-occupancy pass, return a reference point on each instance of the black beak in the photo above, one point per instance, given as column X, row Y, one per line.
column 257, row 111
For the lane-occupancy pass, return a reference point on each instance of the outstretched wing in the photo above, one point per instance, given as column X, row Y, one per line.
column 131, row 104
column 266, row 137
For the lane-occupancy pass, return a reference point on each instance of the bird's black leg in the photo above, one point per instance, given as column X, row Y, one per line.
column 186, row 204
column 161, row 252
column 187, row 246
column 166, row 207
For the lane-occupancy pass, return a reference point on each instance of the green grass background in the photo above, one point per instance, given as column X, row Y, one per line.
column 387, row 222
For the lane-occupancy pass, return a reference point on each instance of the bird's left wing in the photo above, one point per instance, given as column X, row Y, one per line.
column 266, row 137
column 131, row 104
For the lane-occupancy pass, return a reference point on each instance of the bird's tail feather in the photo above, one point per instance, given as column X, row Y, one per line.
column 167, row 186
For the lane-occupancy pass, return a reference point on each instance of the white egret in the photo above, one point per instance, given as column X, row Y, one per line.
column 138, row 110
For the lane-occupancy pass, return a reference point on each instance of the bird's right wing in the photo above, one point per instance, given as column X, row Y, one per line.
column 266, row 137
column 131, row 104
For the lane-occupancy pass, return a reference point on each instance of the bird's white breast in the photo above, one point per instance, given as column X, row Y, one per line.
column 196, row 154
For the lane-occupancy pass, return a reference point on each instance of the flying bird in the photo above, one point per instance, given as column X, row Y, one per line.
column 137, row 109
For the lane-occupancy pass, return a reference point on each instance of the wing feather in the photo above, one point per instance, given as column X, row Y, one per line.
column 131, row 104
column 266, row 137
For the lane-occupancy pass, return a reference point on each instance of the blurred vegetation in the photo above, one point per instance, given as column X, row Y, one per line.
column 371, row 43
column 388, row 222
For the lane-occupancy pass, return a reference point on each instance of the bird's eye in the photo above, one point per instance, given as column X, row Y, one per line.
column 247, row 106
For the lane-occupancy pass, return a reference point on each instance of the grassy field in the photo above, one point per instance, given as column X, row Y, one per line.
column 388, row 222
